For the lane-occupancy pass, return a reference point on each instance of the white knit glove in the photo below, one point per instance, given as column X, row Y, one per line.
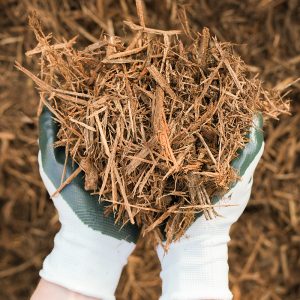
column 196, row 267
column 89, row 251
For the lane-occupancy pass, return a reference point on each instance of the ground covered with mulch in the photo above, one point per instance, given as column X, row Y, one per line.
column 264, row 251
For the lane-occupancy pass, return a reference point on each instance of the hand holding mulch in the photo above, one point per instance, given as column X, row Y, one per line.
column 154, row 122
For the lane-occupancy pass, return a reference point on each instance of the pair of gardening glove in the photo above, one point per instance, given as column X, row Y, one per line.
column 90, row 250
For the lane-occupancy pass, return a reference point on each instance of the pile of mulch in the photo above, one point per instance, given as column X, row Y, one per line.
column 268, row 267
column 153, row 121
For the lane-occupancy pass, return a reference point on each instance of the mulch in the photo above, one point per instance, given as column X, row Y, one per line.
column 264, row 251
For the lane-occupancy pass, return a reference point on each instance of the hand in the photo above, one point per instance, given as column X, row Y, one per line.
column 90, row 250
column 195, row 267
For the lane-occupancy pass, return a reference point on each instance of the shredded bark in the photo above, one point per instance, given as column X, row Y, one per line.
column 154, row 121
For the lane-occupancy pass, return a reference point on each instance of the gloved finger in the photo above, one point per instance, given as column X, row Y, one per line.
column 247, row 155
column 52, row 159
column 48, row 129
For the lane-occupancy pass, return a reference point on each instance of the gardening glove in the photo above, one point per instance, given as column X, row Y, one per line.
column 90, row 250
column 195, row 267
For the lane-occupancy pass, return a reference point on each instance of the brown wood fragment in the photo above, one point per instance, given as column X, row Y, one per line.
column 162, row 82
column 91, row 174
column 67, row 181
column 160, row 126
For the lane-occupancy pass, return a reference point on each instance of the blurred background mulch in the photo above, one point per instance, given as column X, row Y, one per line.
column 264, row 253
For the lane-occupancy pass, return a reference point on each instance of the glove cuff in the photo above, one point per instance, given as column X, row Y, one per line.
column 195, row 270
column 89, row 267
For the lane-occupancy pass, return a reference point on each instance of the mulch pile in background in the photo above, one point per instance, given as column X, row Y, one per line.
column 264, row 252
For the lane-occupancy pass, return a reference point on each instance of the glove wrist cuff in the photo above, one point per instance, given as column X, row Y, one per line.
column 92, row 269
column 196, row 270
